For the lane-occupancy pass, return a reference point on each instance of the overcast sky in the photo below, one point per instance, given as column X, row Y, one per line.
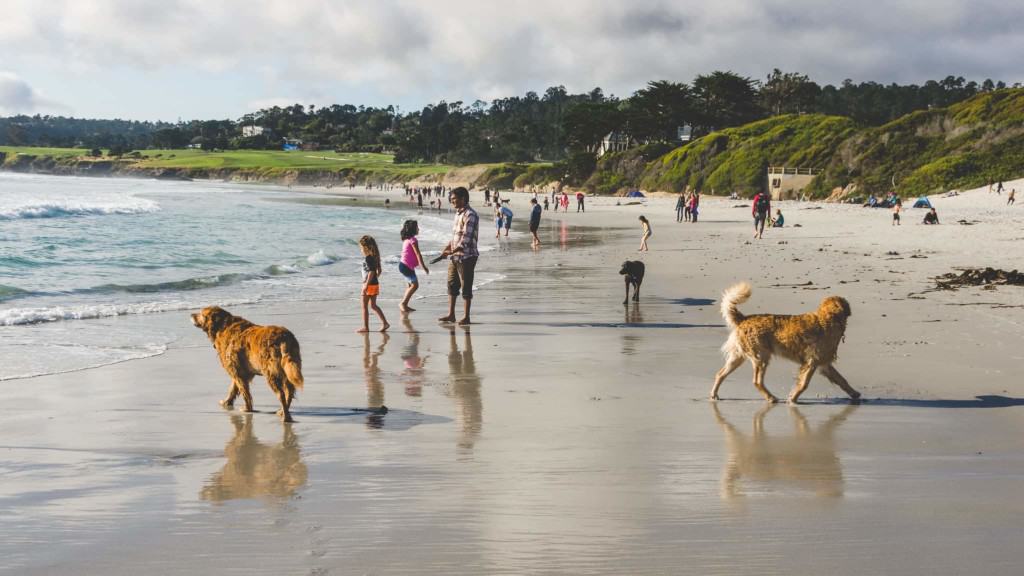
column 171, row 59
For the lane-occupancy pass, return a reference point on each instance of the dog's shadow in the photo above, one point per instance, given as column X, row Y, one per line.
column 377, row 418
column 983, row 401
column 803, row 459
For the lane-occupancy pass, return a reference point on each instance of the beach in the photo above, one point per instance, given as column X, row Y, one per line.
column 562, row 432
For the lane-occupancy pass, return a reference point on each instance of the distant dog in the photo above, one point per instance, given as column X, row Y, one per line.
column 810, row 340
column 633, row 270
column 246, row 350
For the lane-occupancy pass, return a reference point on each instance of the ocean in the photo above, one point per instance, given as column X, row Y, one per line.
column 86, row 263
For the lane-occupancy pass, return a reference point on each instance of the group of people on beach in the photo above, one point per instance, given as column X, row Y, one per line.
column 687, row 206
column 462, row 253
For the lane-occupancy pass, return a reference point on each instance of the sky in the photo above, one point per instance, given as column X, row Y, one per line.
column 220, row 59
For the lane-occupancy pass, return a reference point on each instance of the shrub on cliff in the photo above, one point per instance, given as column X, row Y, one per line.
column 962, row 146
column 736, row 159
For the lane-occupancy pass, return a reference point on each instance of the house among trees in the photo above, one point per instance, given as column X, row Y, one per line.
column 251, row 131
column 786, row 183
column 614, row 142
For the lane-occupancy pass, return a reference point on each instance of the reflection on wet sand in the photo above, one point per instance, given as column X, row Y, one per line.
column 633, row 315
column 374, row 385
column 464, row 386
column 412, row 373
column 254, row 469
column 805, row 460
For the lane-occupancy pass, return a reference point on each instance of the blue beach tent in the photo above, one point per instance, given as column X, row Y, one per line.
column 635, row 194
column 922, row 202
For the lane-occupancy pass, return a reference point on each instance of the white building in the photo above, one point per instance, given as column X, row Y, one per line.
column 250, row 131
column 786, row 183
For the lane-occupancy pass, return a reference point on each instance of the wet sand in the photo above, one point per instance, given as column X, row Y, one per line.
column 563, row 432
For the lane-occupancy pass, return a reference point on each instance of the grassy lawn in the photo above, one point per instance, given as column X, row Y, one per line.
column 255, row 159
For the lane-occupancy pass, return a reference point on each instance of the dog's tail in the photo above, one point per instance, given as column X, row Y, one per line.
column 732, row 297
column 292, row 362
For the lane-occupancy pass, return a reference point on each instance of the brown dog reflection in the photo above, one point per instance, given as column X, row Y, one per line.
column 804, row 460
column 254, row 469
column 464, row 387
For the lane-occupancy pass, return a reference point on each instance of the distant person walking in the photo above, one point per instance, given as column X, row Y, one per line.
column 462, row 255
column 1010, row 199
column 371, row 283
column 694, row 205
column 579, row 202
column 762, row 206
column 897, row 206
column 999, row 188
column 646, row 234
column 499, row 219
column 535, row 221
column 565, row 202
column 680, row 206
column 411, row 259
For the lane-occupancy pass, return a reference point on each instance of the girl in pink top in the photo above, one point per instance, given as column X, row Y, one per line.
column 411, row 259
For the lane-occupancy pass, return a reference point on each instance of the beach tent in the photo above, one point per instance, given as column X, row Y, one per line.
column 922, row 202
column 635, row 194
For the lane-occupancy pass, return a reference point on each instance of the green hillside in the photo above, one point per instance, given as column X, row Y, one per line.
column 931, row 151
column 736, row 159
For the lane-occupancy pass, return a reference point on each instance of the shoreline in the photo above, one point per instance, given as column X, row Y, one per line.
column 563, row 432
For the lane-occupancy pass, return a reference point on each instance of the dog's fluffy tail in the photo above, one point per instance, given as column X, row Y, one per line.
column 292, row 363
column 732, row 297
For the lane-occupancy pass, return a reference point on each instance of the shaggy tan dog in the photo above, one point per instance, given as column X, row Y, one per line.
column 246, row 350
column 811, row 340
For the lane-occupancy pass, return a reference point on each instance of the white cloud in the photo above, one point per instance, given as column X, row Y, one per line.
column 18, row 97
column 466, row 49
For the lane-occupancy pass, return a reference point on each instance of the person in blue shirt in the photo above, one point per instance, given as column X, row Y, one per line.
column 507, row 213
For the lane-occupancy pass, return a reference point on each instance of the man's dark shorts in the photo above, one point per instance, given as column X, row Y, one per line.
column 759, row 218
column 460, row 277
column 534, row 224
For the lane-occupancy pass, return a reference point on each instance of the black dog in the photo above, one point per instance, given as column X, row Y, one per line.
column 633, row 270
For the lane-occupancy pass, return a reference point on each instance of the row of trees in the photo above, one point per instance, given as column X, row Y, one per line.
column 552, row 126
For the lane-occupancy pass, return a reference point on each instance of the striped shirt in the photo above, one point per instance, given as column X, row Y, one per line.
column 465, row 231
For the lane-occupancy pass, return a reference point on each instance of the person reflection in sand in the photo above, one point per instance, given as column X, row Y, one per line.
column 412, row 374
column 805, row 460
column 255, row 470
column 374, row 386
column 464, row 386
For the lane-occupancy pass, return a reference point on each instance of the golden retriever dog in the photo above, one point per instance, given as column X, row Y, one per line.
column 246, row 350
column 811, row 340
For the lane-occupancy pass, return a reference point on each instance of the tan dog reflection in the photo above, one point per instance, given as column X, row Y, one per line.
column 255, row 470
column 805, row 460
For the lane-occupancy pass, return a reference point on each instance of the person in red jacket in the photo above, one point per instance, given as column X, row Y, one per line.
column 762, row 207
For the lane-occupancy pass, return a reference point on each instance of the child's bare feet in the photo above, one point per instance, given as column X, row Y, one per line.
column 446, row 319
column 464, row 322
column 385, row 327
column 362, row 330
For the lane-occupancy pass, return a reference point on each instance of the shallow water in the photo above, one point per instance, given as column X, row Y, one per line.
column 75, row 249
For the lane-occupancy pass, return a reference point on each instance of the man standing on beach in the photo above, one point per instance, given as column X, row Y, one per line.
column 462, row 254
column 579, row 202
column 535, row 221
column 762, row 207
